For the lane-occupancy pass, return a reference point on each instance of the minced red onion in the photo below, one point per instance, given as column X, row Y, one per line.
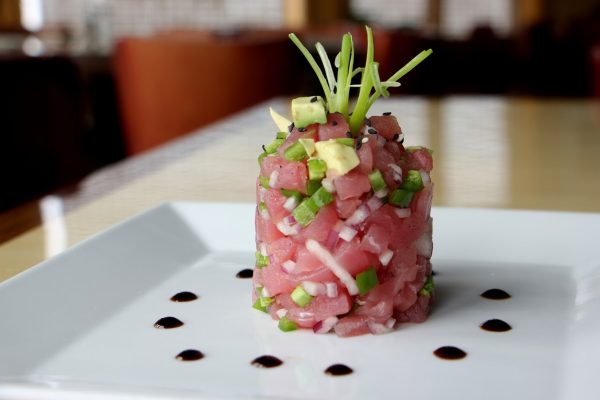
column 381, row 193
column 263, row 249
column 402, row 212
column 289, row 220
column 313, row 288
column 273, row 178
column 261, row 193
column 331, row 289
column 390, row 323
column 327, row 183
column 287, row 229
column 425, row 177
column 378, row 329
column 264, row 214
column 265, row 292
column 374, row 204
column 288, row 266
column 347, row 233
column 381, row 140
column 424, row 245
column 358, row 216
column 326, row 325
column 281, row 312
column 290, row 203
column 385, row 257
column 330, row 262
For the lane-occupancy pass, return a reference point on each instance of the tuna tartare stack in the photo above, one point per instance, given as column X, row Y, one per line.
column 343, row 226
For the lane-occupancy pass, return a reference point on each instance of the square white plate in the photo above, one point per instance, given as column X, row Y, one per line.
column 81, row 324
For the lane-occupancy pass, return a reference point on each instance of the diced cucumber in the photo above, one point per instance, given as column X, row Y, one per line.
column 264, row 182
column 428, row 287
column 366, row 280
column 261, row 261
column 273, row 146
column 295, row 152
column 257, row 304
column 287, row 325
column 316, row 169
column 312, row 187
column 300, row 297
column 400, row 198
column 377, row 181
column 413, row 181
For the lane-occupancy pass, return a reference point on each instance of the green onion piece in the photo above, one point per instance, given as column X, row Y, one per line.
column 316, row 169
column 262, row 206
column 312, row 187
column 304, row 213
column 295, row 152
column 287, row 325
column 345, row 141
column 300, row 296
column 281, row 135
column 366, row 280
column 400, row 198
column 257, row 304
column 261, row 157
column 261, row 261
column 377, row 181
column 273, row 146
column 321, row 197
column 413, row 181
column 264, row 182
column 428, row 287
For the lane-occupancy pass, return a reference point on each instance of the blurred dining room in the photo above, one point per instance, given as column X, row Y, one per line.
column 129, row 138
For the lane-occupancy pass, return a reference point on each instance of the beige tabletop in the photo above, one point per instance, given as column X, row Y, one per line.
column 492, row 152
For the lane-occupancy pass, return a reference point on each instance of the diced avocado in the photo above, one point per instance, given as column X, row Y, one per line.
column 309, row 145
column 295, row 152
column 338, row 157
column 308, row 110
column 300, row 297
column 316, row 169
column 366, row 280
column 413, row 181
column 281, row 122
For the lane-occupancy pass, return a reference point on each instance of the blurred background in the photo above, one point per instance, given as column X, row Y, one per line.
column 86, row 83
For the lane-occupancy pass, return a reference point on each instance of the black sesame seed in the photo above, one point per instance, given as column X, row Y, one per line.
column 301, row 129
column 396, row 137
column 350, row 114
column 402, row 141
column 313, row 99
column 372, row 131
column 387, row 113
column 334, row 122
column 264, row 148
column 291, row 127
column 367, row 122
column 358, row 144
column 348, row 134
column 334, row 89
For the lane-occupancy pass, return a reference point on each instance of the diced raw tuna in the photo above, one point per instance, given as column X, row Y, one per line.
column 336, row 127
column 353, row 184
column 386, row 125
column 292, row 176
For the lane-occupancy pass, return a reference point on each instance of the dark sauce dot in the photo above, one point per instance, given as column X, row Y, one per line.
column 266, row 362
column 495, row 294
column 190, row 355
column 434, row 273
column 495, row 325
column 450, row 353
column 338, row 370
column 183, row 297
column 245, row 274
column 168, row 323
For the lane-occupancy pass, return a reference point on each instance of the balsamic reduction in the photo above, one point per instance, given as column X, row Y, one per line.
column 495, row 325
column 190, row 355
column 495, row 294
column 168, row 323
column 450, row 353
column 266, row 362
column 338, row 370
column 245, row 274
column 183, row 297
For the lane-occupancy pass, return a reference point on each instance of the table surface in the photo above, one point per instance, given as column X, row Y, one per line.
column 491, row 152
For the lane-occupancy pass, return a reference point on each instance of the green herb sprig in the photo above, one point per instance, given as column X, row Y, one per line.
column 371, row 87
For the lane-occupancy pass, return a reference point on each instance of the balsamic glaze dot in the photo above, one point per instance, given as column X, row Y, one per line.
column 183, row 297
column 190, row 355
column 338, row 370
column 495, row 294
column 450, row 353
column 266, row 361
column 245, row 274
column 495, row 325
column 168, row 323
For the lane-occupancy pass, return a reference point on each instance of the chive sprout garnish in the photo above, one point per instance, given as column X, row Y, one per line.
column 371, row 87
